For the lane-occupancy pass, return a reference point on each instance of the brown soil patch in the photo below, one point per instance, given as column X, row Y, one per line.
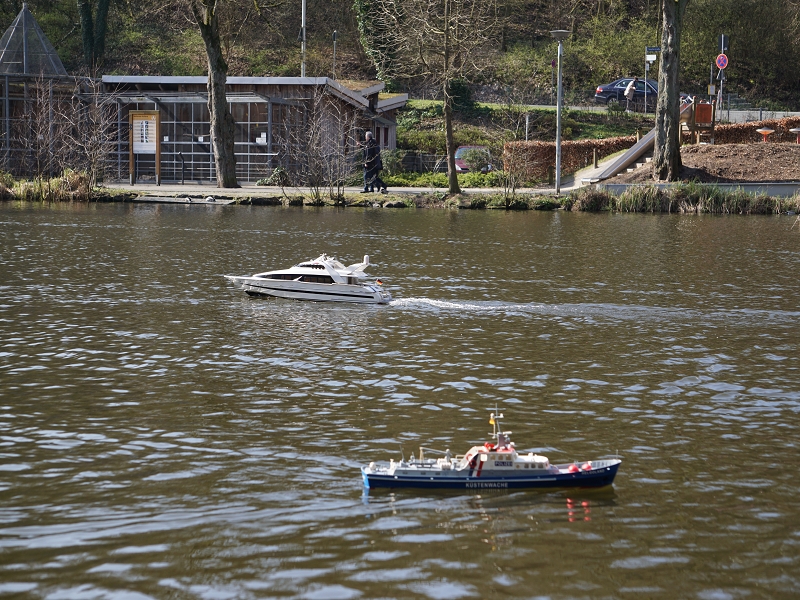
column 729, row 163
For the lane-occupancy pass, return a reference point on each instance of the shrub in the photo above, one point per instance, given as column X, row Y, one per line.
column 645, row 198
column 279, row 177
column 467, row 180
column 590, row 200
column 616, row 108
column 392, row 162
column 7, row 179
column 544, row 204
column 477, row 202
column 473, row 179
column 477, row 159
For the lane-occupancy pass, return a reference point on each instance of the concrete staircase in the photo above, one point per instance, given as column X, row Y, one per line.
column 642, row 161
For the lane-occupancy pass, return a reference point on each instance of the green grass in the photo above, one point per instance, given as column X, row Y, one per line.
column 439, row 180
column 420, row 125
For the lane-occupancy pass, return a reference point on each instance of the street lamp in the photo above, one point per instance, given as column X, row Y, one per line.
column 560, row 35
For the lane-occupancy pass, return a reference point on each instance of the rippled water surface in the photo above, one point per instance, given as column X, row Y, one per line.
column 162, row 435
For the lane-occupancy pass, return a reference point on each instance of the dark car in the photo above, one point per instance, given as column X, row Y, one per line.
column 480, row 154
column 614, row 92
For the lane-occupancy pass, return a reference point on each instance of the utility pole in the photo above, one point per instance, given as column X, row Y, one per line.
column 303, row 40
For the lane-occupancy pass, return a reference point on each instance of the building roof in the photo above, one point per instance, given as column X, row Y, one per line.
column 353, row 92
column 388, row 101
column 25, row 49
column 365, row 88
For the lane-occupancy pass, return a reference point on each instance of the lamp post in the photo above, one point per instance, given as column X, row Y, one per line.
column 560, row 35
column 334, row 54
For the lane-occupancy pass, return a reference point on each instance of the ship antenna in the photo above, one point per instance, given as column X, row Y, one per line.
column 494, row 421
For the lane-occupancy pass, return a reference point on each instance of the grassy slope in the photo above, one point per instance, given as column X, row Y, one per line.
column 420, row 125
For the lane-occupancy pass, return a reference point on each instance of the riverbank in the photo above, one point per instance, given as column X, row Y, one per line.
column 696, row 198
column 724, row 188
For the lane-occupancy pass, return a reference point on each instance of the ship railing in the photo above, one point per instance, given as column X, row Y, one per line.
column 422, row 449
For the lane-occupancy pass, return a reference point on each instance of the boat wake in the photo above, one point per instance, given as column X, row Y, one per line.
column 618, row 312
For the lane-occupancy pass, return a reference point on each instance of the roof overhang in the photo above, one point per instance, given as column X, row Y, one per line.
column 332, row 85
column 396, row 101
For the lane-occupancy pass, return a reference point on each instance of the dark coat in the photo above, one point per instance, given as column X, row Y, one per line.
column 372, row 156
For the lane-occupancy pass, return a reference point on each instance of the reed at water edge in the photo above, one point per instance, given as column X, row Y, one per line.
column 690, row 197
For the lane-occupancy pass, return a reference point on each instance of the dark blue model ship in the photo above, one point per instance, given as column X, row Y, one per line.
column 495, row 465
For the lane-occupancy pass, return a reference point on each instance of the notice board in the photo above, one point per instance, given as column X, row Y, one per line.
column 144, row 134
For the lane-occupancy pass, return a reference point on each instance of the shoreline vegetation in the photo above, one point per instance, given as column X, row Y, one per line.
column 681, row 198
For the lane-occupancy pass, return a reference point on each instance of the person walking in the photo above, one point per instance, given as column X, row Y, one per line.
column 372, row 166
column 630, row 92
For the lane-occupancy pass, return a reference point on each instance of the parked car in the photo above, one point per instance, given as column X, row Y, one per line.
column 480, row 152
column 614, row 92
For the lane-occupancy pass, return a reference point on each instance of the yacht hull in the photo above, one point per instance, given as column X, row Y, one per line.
column 317, row 292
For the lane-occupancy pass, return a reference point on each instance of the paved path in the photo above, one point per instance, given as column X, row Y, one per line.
column 197, row 192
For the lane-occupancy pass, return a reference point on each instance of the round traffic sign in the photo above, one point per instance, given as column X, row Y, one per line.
column 722, row 61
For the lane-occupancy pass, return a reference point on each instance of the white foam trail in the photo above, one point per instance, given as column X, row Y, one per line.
column 606, row 311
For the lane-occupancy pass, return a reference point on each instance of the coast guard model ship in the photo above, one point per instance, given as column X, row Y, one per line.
column 494, row 465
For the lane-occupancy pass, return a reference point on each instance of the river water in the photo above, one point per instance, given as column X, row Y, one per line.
column 162, row 435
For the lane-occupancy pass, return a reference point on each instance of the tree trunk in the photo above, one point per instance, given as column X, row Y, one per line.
column 93, row 31
column 222, row 123
column 87, row 31
column 100, row 26
column 452, row 175
column 667, row 153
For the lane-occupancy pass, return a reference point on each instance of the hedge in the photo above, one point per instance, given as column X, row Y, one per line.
column 745, row 133
column 530, row 160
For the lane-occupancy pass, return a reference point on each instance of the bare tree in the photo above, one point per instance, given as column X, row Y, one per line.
column 323, row 149
column 440, row 40
column 667, row 154
column 88, row 126
column 37, row 136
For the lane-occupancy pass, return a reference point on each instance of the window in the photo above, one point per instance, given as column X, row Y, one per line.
column 317, row 279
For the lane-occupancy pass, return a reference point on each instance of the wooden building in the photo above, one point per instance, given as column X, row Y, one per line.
column 286, row 122
column 49, row 120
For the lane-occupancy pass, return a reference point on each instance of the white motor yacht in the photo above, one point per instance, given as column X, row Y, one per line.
column 323, row 279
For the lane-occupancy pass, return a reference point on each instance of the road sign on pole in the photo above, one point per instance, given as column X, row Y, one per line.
column 722, row 61
column 649, row 57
